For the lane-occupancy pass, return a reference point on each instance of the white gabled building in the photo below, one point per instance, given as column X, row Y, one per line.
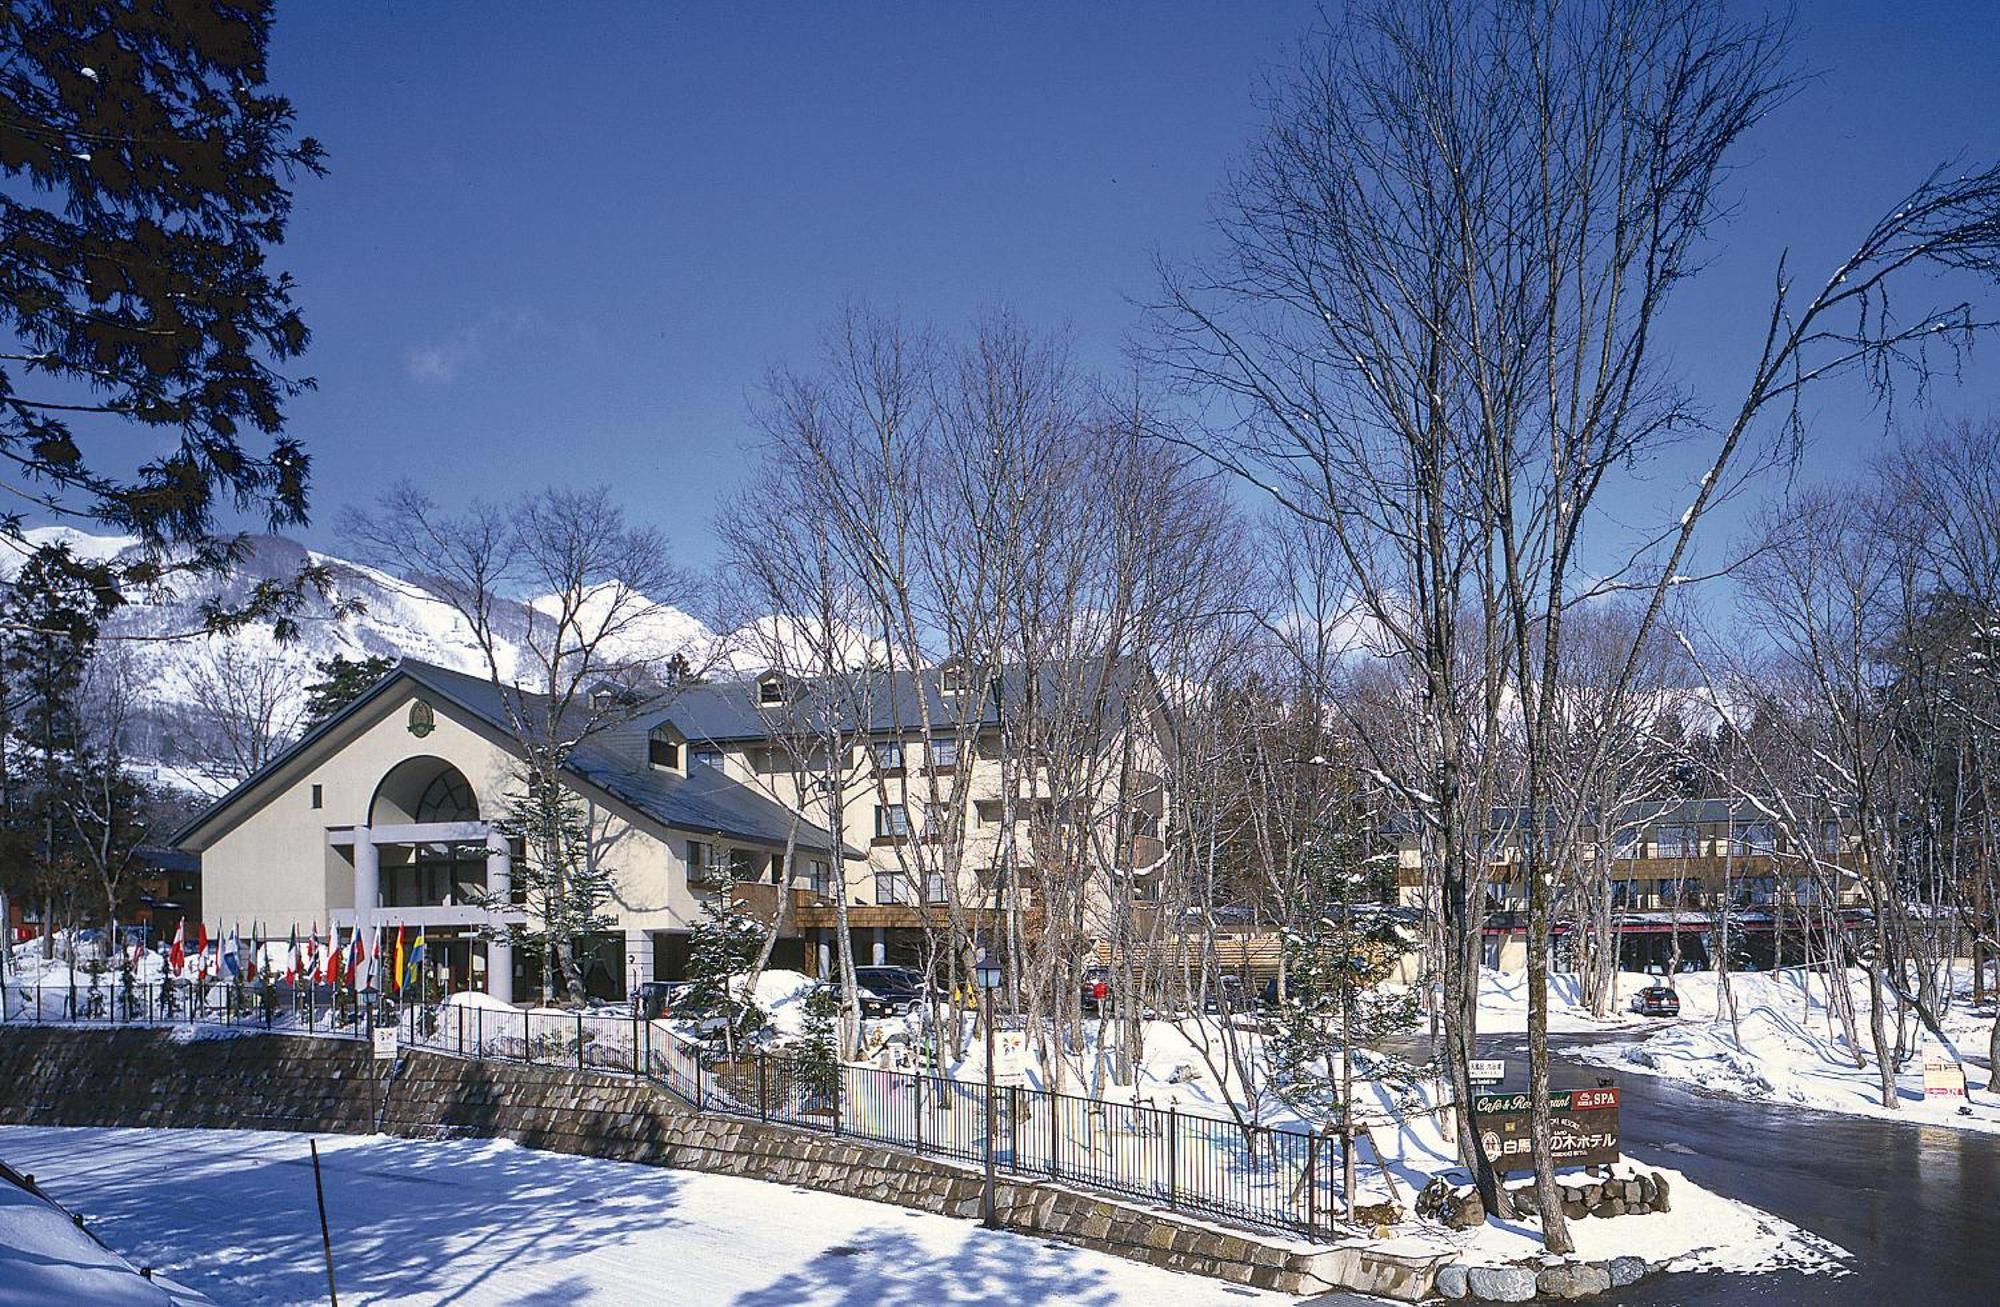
column 386, row 815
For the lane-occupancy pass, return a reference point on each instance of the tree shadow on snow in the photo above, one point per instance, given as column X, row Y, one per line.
column 883, row 1267
column 403, row 1213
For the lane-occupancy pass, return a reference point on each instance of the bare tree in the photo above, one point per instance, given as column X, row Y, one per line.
column 1435, row 332
column 245, row 705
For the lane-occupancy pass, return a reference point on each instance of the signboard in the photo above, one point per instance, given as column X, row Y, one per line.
column 1583, row 1128
column 1944, row 1077
column 1486, row 1071
column 385, row 1043
column 1010, row 1057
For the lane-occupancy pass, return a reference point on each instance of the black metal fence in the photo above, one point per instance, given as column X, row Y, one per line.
column 1195, row 1164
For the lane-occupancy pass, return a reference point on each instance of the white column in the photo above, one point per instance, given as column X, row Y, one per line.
column 367, row 886
column 638, row 957
column 499, row 883
column 881, row 947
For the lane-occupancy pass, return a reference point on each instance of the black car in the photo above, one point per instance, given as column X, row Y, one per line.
column 889, row 992
column 873, row 1006
column 1657, row 1001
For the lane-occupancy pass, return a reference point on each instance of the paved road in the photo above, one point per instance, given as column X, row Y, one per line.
column 1918, row 1206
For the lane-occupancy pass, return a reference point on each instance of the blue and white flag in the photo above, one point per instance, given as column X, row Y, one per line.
column 232, row 956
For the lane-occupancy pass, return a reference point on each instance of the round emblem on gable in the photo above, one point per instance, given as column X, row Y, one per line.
column 422, row 719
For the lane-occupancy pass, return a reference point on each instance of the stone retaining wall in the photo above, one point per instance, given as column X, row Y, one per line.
column 277, row 1082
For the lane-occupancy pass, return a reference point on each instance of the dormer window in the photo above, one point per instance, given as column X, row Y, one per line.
column 662, row 750
column 770, row 690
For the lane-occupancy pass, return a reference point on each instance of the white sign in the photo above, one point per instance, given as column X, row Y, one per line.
column 1944, row 1077
column 385, row 1043
column 1010, row 1057
column 1486, row 1071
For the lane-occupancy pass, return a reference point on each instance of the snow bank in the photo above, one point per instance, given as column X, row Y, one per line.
column 45, row 1259
column 476, row 998
column 1786, row 1047
column 782, row 994
column 1703, row 1232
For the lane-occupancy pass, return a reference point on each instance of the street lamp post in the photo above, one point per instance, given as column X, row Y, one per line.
column 989, row 976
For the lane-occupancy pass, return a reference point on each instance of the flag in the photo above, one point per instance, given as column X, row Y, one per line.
column 312, row 952
column 292, row 955
column 396, row 974
column 330, row 975
column 357, row 953
column 256, row 953
column 416, row 956
column 177, row 955
column 201, row 941
column 232, row 957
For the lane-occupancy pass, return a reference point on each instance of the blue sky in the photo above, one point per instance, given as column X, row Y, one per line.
column 564, row 243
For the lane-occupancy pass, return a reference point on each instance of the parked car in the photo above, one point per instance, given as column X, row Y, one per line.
column 873, row 1006
column 899, row 989
column 1657, row 1001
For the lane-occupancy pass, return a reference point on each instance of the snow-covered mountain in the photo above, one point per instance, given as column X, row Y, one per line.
column 176, row 679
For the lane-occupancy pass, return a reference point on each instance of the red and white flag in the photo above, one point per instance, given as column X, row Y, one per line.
column 177, row 955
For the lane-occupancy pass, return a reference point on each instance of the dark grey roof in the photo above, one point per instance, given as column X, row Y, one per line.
column 881, row 702
column 704, row 802
column 707, row 803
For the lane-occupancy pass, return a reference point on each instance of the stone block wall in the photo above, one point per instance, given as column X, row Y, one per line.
column 278, row 1082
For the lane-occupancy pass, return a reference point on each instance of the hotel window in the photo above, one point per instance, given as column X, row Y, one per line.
column 770, row 690
column 1756, row 838
column 819, row 877
column 892, row 821
column 934, row 887
column 953, row 679
column 661, row 751
column 1829, row 837
column 318, row 796
column 1678, row 842
column 888, row 755
column 744, row 864
column 1625, row 844
column 944, row 755
column 987, row 811
column 705, row 758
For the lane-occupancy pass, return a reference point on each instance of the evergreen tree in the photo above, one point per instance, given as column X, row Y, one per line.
column 564, row 888
column 815, row 1058
column 722, row 944
column 341, row 681
column 146, row 176
column 51, row 625
column 1336, row 959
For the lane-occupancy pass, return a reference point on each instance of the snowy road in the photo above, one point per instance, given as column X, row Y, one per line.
column 231, row 1214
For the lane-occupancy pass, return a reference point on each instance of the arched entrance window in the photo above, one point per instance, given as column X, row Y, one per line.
column 447, row 798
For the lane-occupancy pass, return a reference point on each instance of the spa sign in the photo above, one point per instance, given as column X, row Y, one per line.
column 1583, row 1128
column 423, row 719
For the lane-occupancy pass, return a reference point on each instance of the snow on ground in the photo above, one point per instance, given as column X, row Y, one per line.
column 1786, row 1047
column 231, row 1213
column 1503, row 1003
